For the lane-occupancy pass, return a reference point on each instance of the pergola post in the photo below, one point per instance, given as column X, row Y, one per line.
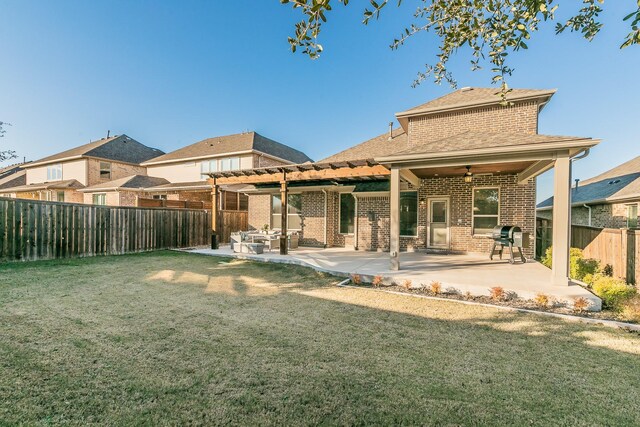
column 394, row 223
column 561, row 221
column 284, row 244
column 214, row 215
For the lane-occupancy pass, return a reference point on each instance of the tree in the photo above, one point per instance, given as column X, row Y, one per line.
column 492, row 29
column 5, row 155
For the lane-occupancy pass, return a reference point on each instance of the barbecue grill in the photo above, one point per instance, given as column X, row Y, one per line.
column 510, row 236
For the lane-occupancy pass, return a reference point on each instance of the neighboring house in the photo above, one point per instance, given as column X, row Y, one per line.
column 186, row 168
column 609, row 200
column 458, row 166
column 13, row 175
column 120, row 192
column 60, row 176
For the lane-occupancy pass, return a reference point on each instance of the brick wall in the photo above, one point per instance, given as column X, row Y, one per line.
column 264, row 161
column 612, row 215
column 128, row 198
column 259, row 211
column 520, row 117
column 313, row 222
column 118, row 170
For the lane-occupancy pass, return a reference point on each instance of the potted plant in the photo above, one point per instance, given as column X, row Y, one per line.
column 265, row 229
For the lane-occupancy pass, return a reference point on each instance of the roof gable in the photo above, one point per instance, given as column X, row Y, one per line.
column 229, row 144
column 116, row 148
column 475, row 97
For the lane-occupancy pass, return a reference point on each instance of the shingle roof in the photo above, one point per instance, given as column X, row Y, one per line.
column 473, row 140
column 16, row 179
column 117, row 148
column 621, row 182
column 231, row 144
column 129, row 182
column 54, row 185
column 467, row 97
column 375, row 147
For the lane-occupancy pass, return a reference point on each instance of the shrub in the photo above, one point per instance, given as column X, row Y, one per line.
column 581, row 304
column 579, row 267
column 631, row 309
column 497, row 293
column 377, row 281
column 542, row 300
column 407, row 284
column 607, row 270
column 356, row 279
column 589, row 279
column 468, row 296
column 613, row 292
column 436, row 287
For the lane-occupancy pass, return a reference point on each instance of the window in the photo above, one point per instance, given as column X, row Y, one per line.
column 632, row 216
column 100, row 199
column 209, row 166
column 294, row 208
column 230, row 164
column 54, row 172
column 60, row 196
column 160, row 197
column 347, row 213
column 105, row 170
column 486, row 208
column 409, row 213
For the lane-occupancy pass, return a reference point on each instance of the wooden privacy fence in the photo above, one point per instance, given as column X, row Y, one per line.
column 31, row 229
column 232, row 221
column 616, row 247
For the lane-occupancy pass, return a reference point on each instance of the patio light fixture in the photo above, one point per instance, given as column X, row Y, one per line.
column 468, row 176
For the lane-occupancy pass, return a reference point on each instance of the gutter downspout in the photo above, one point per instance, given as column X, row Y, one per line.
column 325, row 217
column 589, row 209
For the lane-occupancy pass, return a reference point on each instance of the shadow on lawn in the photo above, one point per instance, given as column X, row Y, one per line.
column 230, row 278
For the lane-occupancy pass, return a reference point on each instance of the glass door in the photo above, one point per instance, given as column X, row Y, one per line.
column 438, row 223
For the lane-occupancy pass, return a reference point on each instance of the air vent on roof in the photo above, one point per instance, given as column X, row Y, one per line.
column 615, row 181
column 466, row 89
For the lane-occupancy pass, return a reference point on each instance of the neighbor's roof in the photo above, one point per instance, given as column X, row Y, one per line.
column 376, row 147
column 473, row 97
column 53, row 185
column 619, row 183
column 133, row 182
column 116, row 148
column 240, row 142
column 16, row 179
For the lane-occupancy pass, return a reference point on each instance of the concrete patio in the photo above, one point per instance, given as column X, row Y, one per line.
column 473, row 273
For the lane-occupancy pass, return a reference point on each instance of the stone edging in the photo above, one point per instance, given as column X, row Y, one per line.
column 608, row 323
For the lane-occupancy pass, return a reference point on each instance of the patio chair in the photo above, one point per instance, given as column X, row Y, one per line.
column 234, row 240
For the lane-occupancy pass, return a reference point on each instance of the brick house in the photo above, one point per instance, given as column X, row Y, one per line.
column 609, row 200
column 456, row 167
column 59, row 177
column 184, row 170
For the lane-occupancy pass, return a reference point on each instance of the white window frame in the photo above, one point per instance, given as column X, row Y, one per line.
column 280, row 214
column 93, row 198
column 473, row 207
column 629, row 205
column 205, row 166
column 222, row 167
column 54, row 172
column 417, row 212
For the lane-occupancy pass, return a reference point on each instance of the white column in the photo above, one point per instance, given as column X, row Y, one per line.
column 394, row 223
column 561, row 221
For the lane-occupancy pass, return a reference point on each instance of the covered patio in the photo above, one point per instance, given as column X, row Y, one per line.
column 464, row 273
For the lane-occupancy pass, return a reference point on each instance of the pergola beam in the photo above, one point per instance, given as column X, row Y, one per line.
column 278, row 175
column 410, row 177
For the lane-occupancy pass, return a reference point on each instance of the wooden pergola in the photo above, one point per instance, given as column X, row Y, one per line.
column 344, row 171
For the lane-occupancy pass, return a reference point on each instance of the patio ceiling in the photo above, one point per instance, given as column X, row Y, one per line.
column 494, row 169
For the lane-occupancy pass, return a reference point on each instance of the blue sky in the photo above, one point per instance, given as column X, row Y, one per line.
column 171, row 73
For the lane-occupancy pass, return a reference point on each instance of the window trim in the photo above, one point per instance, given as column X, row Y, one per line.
column 100, row 163
column 417, row 213
column 93, row 198
column 473, row 206
column 56, row 166
column 280, row 214
column 355, row 213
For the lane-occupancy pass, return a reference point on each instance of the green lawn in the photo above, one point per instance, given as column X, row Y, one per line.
column 171, row 338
